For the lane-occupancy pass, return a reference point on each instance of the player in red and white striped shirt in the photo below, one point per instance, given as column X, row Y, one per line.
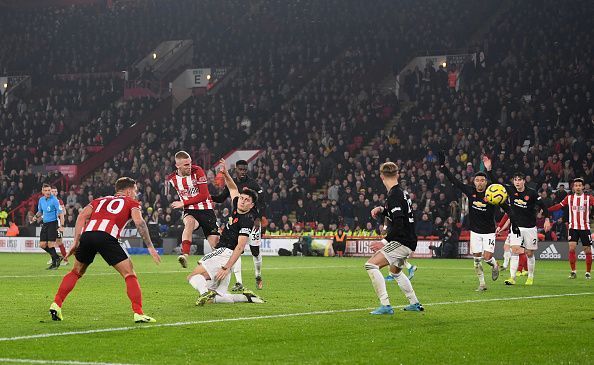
column 579, row 224
column 192, row 188
column 97, row 230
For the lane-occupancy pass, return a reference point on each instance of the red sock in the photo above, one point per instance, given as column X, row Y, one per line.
column 134, row 293
column 588, row 262
column 186, row 247
column 68, row 283
column 523, row 264
column 572, row 260
column 63, row 251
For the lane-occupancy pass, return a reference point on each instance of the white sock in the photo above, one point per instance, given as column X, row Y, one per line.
column 513, row 265
column 379, row 283
column 198, row 282
column 531, row 264
column 406, row 287
column 506, row 256
column 407, row 264
column 479, row 270
column 235, row 298
column 491, row 262
column 237, row 270
column 258, row 264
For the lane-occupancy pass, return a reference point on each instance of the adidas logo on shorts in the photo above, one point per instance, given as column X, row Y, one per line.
column 550, row 253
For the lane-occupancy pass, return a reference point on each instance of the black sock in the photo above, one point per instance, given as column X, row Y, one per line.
column 53, row 253
column 46, row 249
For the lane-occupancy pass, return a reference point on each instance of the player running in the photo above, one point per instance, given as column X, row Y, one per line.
column 192, row 188
column 49, row 210
column 524, row 204
column 579, row 224
column 212, row 275
column 97, row 230
column 399, row 243
column 242, row 180
column 481, row 218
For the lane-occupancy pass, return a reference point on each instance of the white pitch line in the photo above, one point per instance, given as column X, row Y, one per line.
column 273, row 316
column 64, row 362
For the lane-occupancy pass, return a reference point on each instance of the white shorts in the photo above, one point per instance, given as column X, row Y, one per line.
column 213, row 262
column 528, row 238
column 480, row 242
column 255, row 236
column 396, row 253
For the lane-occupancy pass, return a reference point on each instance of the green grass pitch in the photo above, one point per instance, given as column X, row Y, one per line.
column 317, row 312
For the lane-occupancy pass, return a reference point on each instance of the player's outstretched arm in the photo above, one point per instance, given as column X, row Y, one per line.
column 233, row 190
column 142, row 228
column 226, row 269
column 448, row 174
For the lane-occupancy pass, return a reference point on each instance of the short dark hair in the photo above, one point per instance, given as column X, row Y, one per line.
column 54, row 187
column 241, row 163
column 519, row 175
column 124, row 183
column 45, row 185
column 580, row 180
column 252, row 194
column 480, row 173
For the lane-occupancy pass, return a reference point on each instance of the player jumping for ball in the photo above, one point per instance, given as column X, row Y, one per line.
column 192, row 188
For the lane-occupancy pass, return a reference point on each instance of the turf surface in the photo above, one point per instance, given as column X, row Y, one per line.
column 317, row 312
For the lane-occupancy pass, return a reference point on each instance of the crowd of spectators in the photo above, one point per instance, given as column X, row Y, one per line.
column 528, row 108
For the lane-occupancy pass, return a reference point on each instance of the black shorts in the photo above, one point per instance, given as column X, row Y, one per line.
column 339, row 246
column 49, row 232
column 206, row 220
column 107, row 246
column 575, row 235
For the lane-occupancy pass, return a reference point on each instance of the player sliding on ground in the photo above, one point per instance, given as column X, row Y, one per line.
column 212, row 275
column 579, row 224
column 399, row 243
column 192, row 188
column 242, row 180
column 97, row 230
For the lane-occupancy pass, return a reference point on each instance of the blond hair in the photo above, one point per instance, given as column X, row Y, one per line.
column 388, row 169
column 182, row 155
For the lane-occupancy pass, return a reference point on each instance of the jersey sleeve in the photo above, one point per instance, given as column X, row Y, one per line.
column 457, row 183
column 133, row 204
column 541, row 204
column 561, row 204
column 39, row 209
column 59, row 209
column 203, row 193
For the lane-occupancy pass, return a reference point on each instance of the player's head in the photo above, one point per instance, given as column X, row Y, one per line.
column 46, row 190
column 247, row 199
column 183, row 163
column 578, row 185
column 389, row 173
column 126, row 186
column 519, row 180
column 241, row 169
column 480, row 181
column 54, row 190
